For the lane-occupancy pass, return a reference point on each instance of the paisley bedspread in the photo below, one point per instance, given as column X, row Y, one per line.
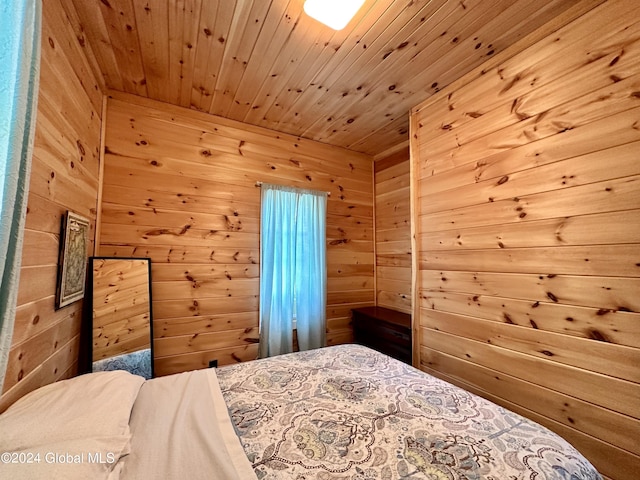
column 348, row 412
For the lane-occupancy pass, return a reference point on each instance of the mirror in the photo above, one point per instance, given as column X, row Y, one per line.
column 120, row 314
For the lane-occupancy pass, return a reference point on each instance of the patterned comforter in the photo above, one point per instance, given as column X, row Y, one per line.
column 348, row 412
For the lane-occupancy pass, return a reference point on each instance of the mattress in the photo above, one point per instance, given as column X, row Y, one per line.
column 349, row 412
column 336, row 413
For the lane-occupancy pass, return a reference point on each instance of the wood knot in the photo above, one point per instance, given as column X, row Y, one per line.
column 597, row 335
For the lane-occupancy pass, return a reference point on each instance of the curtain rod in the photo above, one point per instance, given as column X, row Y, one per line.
column 259, row 184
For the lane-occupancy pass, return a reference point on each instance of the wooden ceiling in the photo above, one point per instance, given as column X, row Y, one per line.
column 267, row 63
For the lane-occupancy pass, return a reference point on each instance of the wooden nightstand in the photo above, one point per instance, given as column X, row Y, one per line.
column 385, row 330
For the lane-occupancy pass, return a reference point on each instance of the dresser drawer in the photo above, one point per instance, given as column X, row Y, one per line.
column 385, row 330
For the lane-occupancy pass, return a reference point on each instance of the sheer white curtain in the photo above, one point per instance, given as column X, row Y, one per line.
column 311, row 271
column 19, row 73
column 293, row 272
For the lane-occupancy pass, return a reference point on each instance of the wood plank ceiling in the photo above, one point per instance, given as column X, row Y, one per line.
column 267, row 63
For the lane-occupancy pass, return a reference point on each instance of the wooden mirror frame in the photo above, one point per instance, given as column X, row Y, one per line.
column 87, row 340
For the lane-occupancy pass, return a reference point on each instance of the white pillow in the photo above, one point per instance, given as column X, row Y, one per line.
column 92, row 405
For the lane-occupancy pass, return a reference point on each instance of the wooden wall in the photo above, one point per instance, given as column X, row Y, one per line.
column 393, row 231
column 179, row 187
column 526, row 177
column 64, row 176
column 121, row 307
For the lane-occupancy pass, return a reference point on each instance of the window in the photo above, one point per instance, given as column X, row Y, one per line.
column 293, row 272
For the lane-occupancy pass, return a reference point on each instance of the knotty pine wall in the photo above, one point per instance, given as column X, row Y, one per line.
column 526, row 178
column 179, row 187
column 393, row 231
column 64, row 176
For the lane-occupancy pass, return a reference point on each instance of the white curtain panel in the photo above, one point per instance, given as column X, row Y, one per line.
column 20, row 22
column 293, row 271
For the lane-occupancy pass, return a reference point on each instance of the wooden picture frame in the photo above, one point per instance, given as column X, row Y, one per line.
column 72, row 259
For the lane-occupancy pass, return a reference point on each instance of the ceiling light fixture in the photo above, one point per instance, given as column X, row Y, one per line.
column 333, row 13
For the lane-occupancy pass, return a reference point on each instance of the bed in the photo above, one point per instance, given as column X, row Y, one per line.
column 343, row 412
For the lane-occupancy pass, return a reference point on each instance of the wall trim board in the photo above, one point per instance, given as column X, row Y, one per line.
column 415, row 214
column 103, row 130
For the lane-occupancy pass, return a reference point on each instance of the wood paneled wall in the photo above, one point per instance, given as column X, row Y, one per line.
column 64, row 176
column 393, row 231
column 121, row 307
column 527, row 196
column 179, row 187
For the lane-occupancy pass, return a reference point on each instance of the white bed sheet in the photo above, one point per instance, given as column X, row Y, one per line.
column 181, row 429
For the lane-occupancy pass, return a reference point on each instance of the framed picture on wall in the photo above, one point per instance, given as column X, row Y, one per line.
column 72, row 260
